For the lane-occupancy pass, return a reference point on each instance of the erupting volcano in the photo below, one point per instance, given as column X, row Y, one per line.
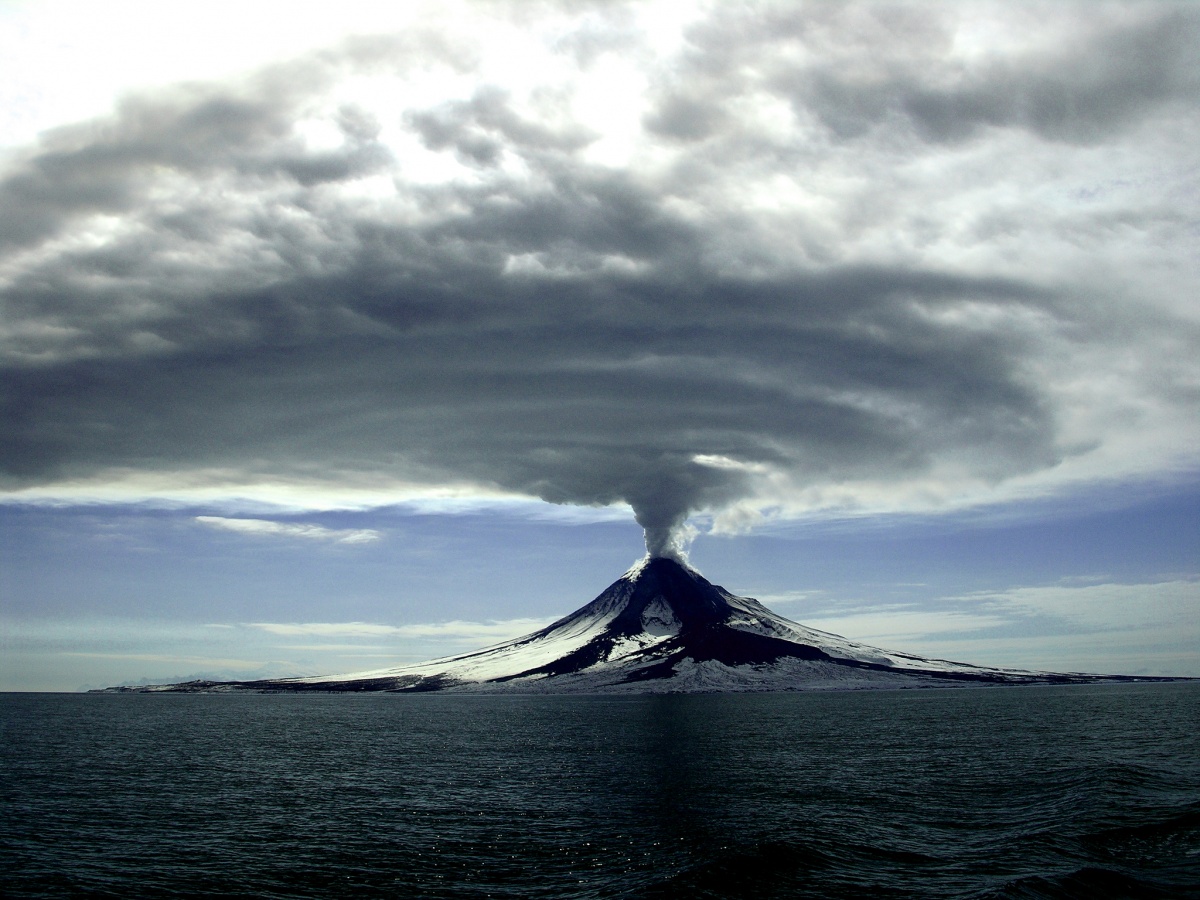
column 662, row 627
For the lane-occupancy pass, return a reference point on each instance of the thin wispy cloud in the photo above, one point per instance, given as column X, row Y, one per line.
column 904, row 622
column 326, row 629
column 291, row 530
column 1084, row 621
column 169, row 658
column 456, row 630
column 1120, row 607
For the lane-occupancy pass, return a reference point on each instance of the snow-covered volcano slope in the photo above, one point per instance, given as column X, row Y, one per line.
column 661, row 627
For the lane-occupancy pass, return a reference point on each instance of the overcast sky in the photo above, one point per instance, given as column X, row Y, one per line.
column 336, row 332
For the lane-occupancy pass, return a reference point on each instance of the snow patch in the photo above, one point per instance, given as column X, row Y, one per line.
column 658, row 619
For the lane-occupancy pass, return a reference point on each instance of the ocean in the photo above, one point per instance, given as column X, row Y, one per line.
column 1033, row 792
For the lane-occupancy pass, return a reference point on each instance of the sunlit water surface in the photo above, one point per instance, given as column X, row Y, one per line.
column 1010, row 792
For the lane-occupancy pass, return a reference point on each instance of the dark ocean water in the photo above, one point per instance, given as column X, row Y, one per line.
column 1007, row 793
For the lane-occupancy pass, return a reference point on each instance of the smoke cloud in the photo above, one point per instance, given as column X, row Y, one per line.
column 786, row 264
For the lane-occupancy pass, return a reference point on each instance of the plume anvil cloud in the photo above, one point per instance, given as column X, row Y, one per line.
column 662, row 627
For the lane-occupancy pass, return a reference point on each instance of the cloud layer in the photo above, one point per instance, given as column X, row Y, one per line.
column 304, row 530
column 823, row 256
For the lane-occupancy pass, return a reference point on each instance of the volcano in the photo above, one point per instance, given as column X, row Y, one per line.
column 662, row 628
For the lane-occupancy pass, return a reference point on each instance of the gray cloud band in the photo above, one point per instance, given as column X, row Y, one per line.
column 547, row 324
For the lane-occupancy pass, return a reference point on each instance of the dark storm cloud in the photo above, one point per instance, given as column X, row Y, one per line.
column 199, row 130
column 481, row 128
column 872, row 66
column 1078, row 94
column 101, row 168
column 559, row 328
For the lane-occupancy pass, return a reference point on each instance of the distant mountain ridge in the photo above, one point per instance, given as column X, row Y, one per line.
column 661, row 627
